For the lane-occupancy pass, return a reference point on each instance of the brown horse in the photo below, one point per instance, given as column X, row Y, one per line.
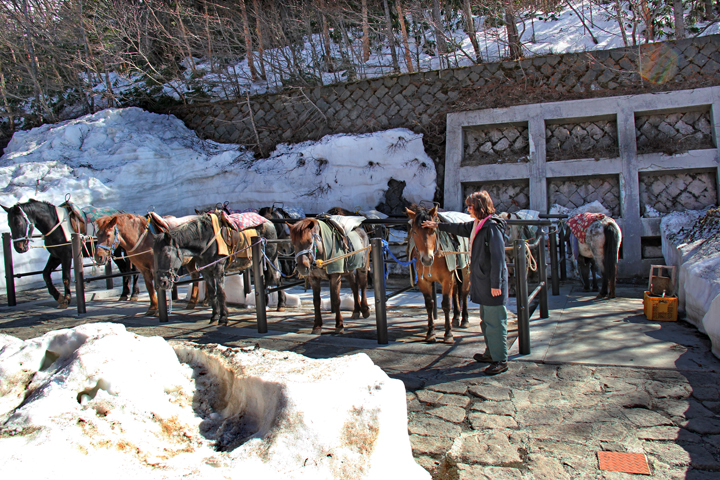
column 431, row 266
column 310, row 238
column 133, row 233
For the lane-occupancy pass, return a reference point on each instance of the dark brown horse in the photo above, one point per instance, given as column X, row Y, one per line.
column 310, row 238
column 431, row 266
column 134, row 234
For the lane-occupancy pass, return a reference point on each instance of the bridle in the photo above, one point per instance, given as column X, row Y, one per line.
column 311, row 250
column 28, row 230
column 115, row 243
column 417, row 226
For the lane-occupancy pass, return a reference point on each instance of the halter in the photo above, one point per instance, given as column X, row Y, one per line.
column 437, row 240
column 115, row 243
column 312, row 249
column 27, row 228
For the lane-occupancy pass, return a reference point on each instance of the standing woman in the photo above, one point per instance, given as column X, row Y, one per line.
column 488, row 275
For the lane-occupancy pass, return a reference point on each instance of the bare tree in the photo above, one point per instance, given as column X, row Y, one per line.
column 391, row 37
column 470, row 29
column 403, row 30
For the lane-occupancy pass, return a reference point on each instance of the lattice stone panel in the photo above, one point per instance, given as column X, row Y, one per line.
column 672, row 192
column 595, row 139
column 574, row 192
column 495, row 144
column 507, row 196
column 672, row 133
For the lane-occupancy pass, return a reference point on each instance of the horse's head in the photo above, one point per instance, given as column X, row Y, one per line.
column 168, row 259
column 307, row 243
column 21, row 228
column 425, row 239
column 108, row 238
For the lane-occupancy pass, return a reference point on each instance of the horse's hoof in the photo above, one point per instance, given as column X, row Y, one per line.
column 317, row 330
column 448, row 338
column 62, row 306
column 611, row 296
column 134, row 298
column 123, row 298
column 213, row 322
column 430, row 339
column 223, row 322
column 366, row 313
column 280, row 309
column 339, row 330
column 455, row 324
column 190, row 306
column 465, row 324
column 586, row 289
column 355, row 315
column 152, row 312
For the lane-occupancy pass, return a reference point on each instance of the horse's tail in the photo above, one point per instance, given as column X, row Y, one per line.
column 613, row 239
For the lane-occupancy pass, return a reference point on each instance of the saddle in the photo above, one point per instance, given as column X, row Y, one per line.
column 168, row 222
column 342, row 226
column 86, row 216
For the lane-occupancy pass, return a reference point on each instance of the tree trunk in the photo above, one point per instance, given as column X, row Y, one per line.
column 248, row 41
column 258, row 32
column 512, row 32
column 391, row 37
column 406, row 43
column 439, row 35
column 621, row 21
column 366, row 33
column 679, row 11
column 470, row 30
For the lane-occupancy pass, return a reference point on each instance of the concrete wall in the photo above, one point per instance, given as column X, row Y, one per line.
column 679, row 171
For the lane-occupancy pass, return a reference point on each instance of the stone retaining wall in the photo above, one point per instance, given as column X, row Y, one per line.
column 421, row 101
column 675, row 192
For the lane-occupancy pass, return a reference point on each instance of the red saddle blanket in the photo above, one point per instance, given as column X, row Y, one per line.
column 579, row 223
column 243, row 221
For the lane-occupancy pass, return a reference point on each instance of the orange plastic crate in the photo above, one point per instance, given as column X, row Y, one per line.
column 660, row 308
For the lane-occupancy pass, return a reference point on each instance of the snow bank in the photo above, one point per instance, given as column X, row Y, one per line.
column 97, row 398
column 691, row 243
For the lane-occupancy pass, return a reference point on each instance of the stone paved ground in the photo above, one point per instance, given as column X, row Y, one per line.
column 536, row 421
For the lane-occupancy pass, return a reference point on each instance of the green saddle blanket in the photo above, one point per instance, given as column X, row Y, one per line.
column 89, row 214
column 333, row 246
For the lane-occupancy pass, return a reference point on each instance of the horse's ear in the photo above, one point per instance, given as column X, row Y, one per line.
column 6, row 208
column 433, row 212
column 112, row 222
column 410, row 213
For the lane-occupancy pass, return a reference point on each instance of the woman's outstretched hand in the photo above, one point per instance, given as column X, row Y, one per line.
column 429, row 224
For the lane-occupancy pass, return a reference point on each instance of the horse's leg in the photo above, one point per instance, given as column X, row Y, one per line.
column 447, row 293
column 51, row 265
column 584, row 267
column 426, row 289
column 123, row 265
column 275, row 279
column 335, row 279
column 353, row 281
column 194, row 289
column 594, row 274
column 317, row 326
column 136, row 289
column 362, row 282
column 211, row 295
column 66, row 267
column 152, row 311
column 221, row 298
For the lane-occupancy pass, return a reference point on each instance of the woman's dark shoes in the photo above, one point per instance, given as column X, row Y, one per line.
column 483, row 357
column 496, row 367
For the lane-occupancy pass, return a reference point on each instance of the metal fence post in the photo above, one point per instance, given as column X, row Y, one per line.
column 563, row 259
column 9, row 271
column 521, row 296
column 378, row 266
column 553, row 261
column 79, row 276
column 542, row 271
column 260, row 304
column 108, row 271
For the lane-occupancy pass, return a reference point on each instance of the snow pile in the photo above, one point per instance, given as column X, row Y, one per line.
column 100, row 399
column 691, row 242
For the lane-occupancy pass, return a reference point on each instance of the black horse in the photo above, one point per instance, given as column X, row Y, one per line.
column 199, row 240
column 287, row 264
column 23, row 218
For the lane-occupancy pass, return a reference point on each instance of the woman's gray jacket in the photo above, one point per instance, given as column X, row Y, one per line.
column 487, row 262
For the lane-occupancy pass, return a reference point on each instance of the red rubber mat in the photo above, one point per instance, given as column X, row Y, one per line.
column 623, row 462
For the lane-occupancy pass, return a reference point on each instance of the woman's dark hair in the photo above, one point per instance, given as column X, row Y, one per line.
column 481, row 203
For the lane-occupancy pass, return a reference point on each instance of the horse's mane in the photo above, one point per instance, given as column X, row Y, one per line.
column 421, row 214
column 301, row 230
column 191, row 231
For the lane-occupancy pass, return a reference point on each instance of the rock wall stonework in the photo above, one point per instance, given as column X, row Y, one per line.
column 496, row 144
column 674, row 132
column 421, row 101
column 594, row 139
column 675, row 192
column 508, row 196
column 576, row 192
